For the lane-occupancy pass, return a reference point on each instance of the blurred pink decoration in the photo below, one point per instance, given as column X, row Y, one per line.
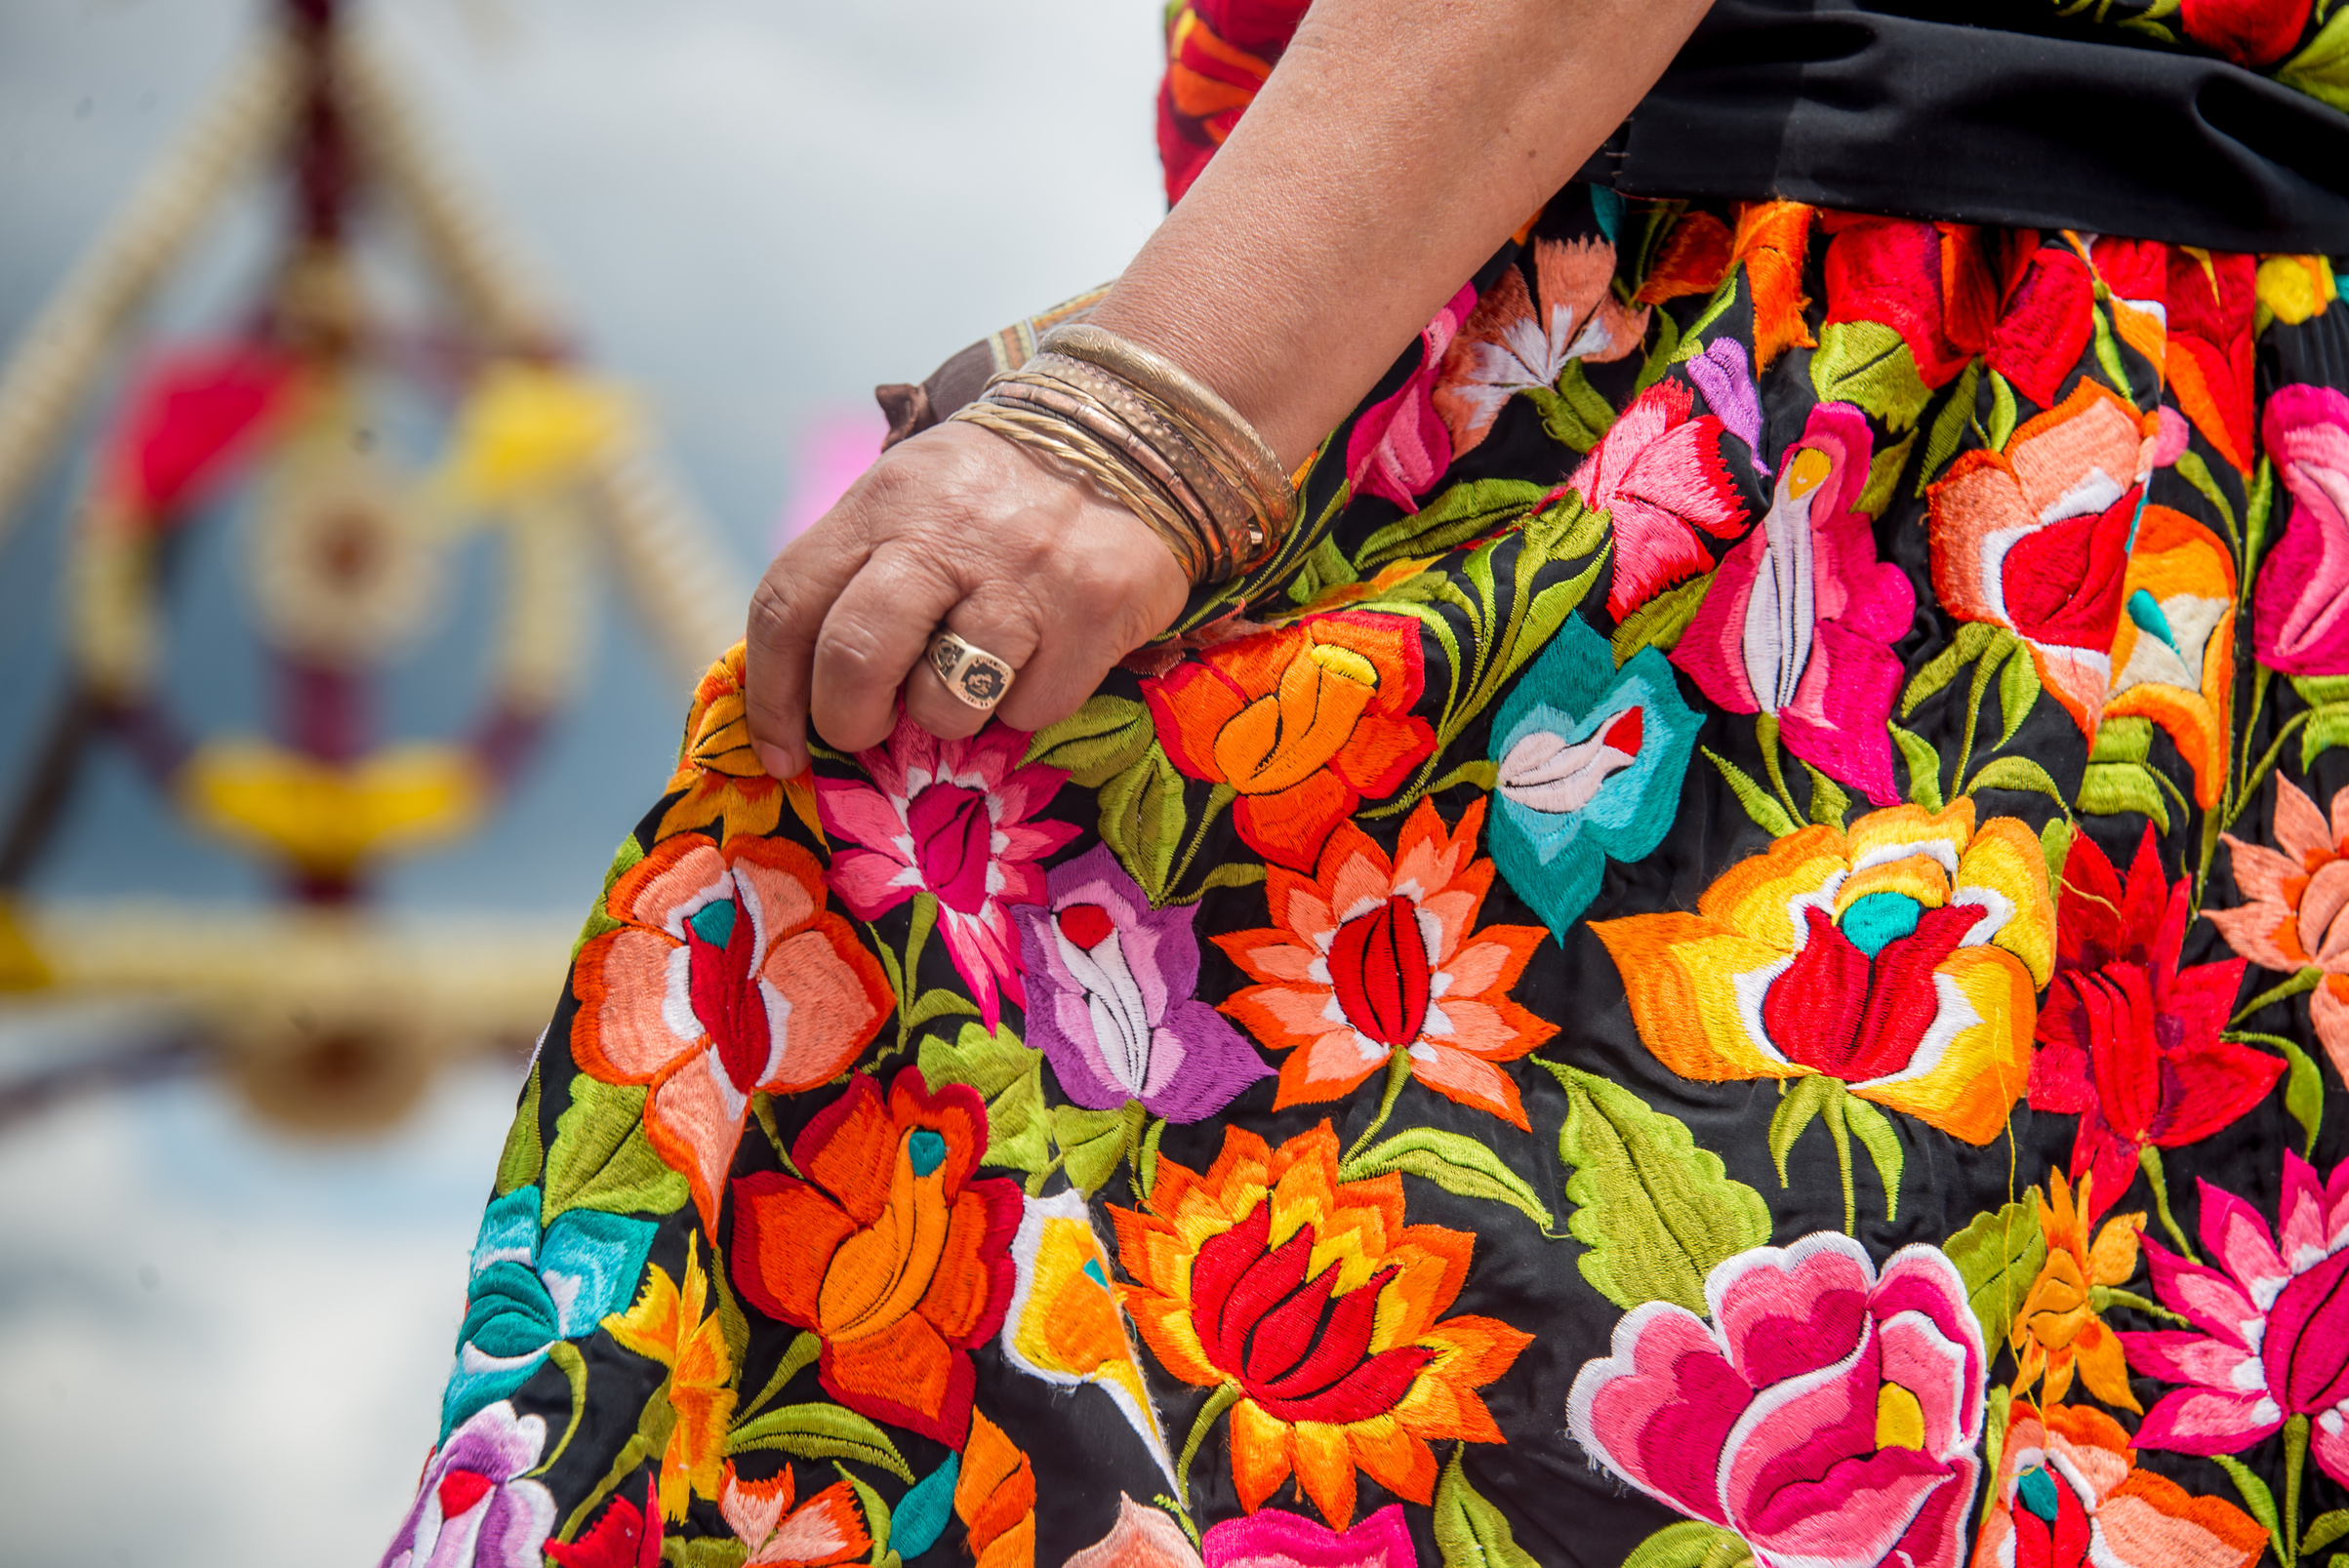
column 832, row 449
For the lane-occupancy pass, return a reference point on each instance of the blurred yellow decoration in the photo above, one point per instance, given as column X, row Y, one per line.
column 2294, row 288
column 20, row 965
column 327, row 818
column 527, row 429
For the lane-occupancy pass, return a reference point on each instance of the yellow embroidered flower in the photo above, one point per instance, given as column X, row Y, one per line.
column 668, row 1325
column 2059, row 1330
column 1902, row 956
column 721, row 777
column 2173, row 655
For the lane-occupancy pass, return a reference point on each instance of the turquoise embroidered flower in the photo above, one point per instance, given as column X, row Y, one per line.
column 530, row 1287
column 1590, row 760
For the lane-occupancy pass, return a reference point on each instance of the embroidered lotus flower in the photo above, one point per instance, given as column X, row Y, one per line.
column 1801, row 617
column 952, row 819
column 1590, row 760
column 720, row 779
column 676, row 1326
column 888, row 1249
column 1398, row 446
column 2129, row 1042
column 475, row 1508
column 2301, row 602
column 2295, row 894
column 727, row 977
column 1512, row 345
column 1110, row 1001
column 1658, row 474
column 778, row 1531
column 1828, row 1413
column 2068, row 1495
column 1901, row 955
column 2270, row 1341
column 530, row 1287
column 2173, row 657
column 2036, row 538
column 1303, row 721
column 2058, row 1332
column 1376, row 956
column 1273, row 1539
column 1320, row 1309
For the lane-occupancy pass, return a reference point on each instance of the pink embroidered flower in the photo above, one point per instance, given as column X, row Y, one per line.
column 1658, row 472
column 1512, row 346
column 473, row 1509
column 1271, row 1539
column 2273, row 1320
column 2295, row 897
column 2300, row 604
column 1398, row 446
column 948, row 818
column 1801, row 616
column 1828, row 1413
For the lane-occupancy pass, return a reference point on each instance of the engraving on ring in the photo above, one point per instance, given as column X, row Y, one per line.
column 983, row 682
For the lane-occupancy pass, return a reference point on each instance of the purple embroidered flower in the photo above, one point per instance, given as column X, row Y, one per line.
column 1721, row 373
column 1109, row 997
column 472, row 1509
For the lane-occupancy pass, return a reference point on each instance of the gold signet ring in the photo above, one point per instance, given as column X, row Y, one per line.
column 974, row 675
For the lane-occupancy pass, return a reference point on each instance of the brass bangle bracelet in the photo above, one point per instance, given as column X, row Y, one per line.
column 1124, row 441
column 1049, row 437
column 1225, row 509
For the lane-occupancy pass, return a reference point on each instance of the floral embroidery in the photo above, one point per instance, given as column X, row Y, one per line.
column 1935, row 284
column 2301, row 599
column 1771, row 241
column 1901, row 958
column 2058, row 1331
column 888, row 1249
column 1304, row 722
column 2270, row 1342
column 1310, row 1300
column 1590, row 760
column 1378, row 961
column 674, row 1326
column 950, row 819
column 727, row 977
column 1828, row 1413
column 474, row 1507
column 1658, row 474
column 2131, row 1041
column 2291, row 917
column 995, row 1497
column 1801, row 616
column 1141, row 1538
column 1399, row 446
column 2068, row 1495
column 720, row 776
column 1109, row 1002
column 625, row 1536
column 1510, row 346
column 825, row 1529
column 2173, row 661
column 2209, row 308
column 1273, row 1539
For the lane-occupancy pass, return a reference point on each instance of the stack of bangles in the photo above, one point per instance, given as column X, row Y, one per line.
column 1154, row 439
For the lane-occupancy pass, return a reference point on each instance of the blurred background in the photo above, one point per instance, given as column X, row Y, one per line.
column 396, row 402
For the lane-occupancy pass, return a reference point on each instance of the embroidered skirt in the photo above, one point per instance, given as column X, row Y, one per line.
column 1738, row 954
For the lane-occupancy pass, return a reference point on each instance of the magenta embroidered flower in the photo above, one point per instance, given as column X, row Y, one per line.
column 1801, row 617
column 1658, row 474
column 1109, row 997
column 2300, row 605
column 2274, row 1325
column 1399, row 446
column 948, row 818
column 473, row 1509
column 1828, row 1413
column 1271, row 1539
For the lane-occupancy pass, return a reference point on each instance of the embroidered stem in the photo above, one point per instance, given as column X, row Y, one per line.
column 1398, row 1069
column 632, row 1453
column 1766, row 735
column 2307, row 980
column 2149, row 1160
column 2103, row 1297
column 1145, row 1164
column 563, row 1353
column 1223, row 1398
column 798, row 1356
column 925, row 918
column 1994, row 654
column 2296, row 1467
column 1218, row 799
column 1182, row 1516
column 1842, row 1129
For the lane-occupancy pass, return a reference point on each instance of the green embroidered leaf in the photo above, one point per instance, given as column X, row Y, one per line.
column 1828, row 804
column 1232, row 875
column 2108, row 351
column 1098, row 740
column 1010, row 1077
column 1798, row 1104
column 1453, row 516
column 1868, row 364
column 2056, row 845
column 1924, row 765
column 1575, row 415
column 1324, row 568
column 1093, row 1142
column 2109, row 789
column 601, row 1158
column 2327, row 728
column 1143, row 818
column 1688, row 1544
column 1971, row 641
column 1659, row 358
column 2324, row 1530
column 876, row 1510
column 2018, row 690
column 2257, row 1501
column 1660, row 621
column 2196, row 472
column 1456, row 1163
column 2322, row 69
column 599, row 920
column 702, row 1551
column 2127, row 739
column 1884, row 477
column 2256, row 507
column 1758, row 803
column 1881, row 1140
column 1657, row 1211
column 2019, row 774
column 520, row 1161
column 820, row 1431
column 2001, row 411
column 1998, row 1410
column 1999, row 1255
column 2303, row 1093
column 1469, row 1531
column 1563, row 530
column 1949, row 427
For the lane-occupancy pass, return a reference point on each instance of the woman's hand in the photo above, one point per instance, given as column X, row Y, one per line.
column 955, row 527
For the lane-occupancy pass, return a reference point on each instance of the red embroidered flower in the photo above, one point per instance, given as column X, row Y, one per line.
column 2129, row 1042
column 727, row 976
column 889, row 1250
column 1218, row 54
column 1303, row 721
column 1659, row 475
column 2248, row 33
column 624, row 1537
column 2212, row 301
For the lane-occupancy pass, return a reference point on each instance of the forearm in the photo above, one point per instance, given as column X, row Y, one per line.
column 1393, row 149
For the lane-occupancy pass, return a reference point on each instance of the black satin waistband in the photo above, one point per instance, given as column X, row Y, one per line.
column 1915, row 117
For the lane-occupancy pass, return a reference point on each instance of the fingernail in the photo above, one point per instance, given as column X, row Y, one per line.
column 780, row 762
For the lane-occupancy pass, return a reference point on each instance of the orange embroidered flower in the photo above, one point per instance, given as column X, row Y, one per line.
column 2068, row 1495
column 823, row 1530
column 1376, row 956
column 1302, row 721
column 721, row 777
column 727, row 976
column 668, row 1325
column 1772, row 240
column 2174, row 650
column 888, row 1250
column 2058, row 1329
column 1318, row 1311
column 2294, row 896
column 995, row 1497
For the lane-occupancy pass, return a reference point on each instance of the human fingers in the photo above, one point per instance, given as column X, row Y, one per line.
column 873, row 637
column 787, row 610
column 1118, row 585
column 997, row 619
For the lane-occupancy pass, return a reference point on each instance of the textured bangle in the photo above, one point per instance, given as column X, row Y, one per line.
column 1075, row 449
